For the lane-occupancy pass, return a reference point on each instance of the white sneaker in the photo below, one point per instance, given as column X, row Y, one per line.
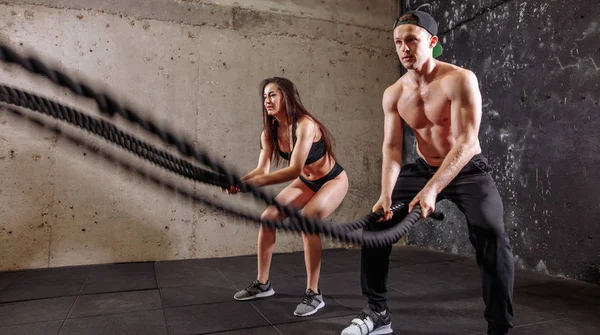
column 369, row 322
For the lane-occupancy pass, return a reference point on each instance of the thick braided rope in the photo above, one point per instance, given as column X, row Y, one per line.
column 368, row 239
column 132, row 144
column 110, row 107
column 110, row 133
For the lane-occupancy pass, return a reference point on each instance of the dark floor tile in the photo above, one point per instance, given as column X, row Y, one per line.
column 269, row 330
column 423, row 282
column 282, row 265
column 241, row 271
column 290, row 285
column 220, row 291
column 65, row 273
column 427, row 285
column 410, row 255
column 202, row 319
column 220, row 261
column 341, row 282
column 142, row 323
column 345, row 289
column 41, row 289
column 400, row 256
column 576, row 299
column 565, row 289
column 41, row 328
column 419, row 319
column 46, row 283
column 119, row 283
column 438, row 293
column 342, row 260
column 467, row 269
column 114, row 303
column 121, row 277
column 281, row 310
column 123, row 269
column 586, row 324
column 35, row 311
column 7, row 278
column 293, row 264
column 446, row 271
column 428, row 292
column 185, row 273
column 555, row 327
column 528, row 278
column 474, row 307
column 329, row 326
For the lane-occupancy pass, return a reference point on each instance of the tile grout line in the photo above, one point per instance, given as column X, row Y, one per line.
column 259, row 312
column 73, row 306
column 529, row 324
column 111, row 314
column 15, row 280
column 332, row 264
column 540, row 322
column 10, row 284
column 67, row 296
column 227, row 280
column 162, row 308
column 277, row 329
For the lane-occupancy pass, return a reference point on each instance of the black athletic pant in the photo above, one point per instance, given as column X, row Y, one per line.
column 475, row 193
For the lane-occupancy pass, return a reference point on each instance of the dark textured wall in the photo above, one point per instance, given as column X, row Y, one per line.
column 538, row 69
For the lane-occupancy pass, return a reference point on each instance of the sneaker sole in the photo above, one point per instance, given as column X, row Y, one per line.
column 321, row 305
column 387, row 329
column 260, row 295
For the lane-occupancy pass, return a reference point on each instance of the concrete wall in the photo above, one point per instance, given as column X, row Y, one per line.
column 537, row 63
column 193, row 66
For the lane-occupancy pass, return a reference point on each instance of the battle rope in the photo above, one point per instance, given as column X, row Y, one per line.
column 113, row 134
column 110, row 107
column 110, row 133
column 368, row 239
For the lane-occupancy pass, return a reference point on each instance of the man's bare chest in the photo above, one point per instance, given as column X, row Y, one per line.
column 424, row 108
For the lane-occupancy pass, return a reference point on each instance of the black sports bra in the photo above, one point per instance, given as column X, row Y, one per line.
column 317, row 151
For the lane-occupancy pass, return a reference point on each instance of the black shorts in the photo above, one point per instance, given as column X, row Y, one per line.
column 316, row 185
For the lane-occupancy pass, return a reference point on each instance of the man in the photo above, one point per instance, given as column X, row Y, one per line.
column 442, row 104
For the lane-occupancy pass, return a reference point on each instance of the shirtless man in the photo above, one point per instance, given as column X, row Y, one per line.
column 442, row 104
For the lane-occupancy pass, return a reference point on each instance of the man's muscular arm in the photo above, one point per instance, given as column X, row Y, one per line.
column 391, row 150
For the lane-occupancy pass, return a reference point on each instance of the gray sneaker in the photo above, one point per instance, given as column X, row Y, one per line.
column 311, row 303
column 255, row 290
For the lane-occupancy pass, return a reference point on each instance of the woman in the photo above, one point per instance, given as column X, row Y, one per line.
column 319, row 183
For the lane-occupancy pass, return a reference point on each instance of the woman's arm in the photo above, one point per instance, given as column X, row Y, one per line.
column 305, row 134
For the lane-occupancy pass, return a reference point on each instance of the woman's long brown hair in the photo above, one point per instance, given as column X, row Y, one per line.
column 294, row 109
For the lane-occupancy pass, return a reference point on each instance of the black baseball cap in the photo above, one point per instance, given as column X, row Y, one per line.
column 423, row 20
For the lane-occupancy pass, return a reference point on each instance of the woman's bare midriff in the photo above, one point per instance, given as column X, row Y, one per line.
column 318, row 169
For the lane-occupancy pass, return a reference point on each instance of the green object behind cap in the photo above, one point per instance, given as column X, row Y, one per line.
column 437, row 50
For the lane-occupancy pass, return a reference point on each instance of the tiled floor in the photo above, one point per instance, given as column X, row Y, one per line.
column 430, row 293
